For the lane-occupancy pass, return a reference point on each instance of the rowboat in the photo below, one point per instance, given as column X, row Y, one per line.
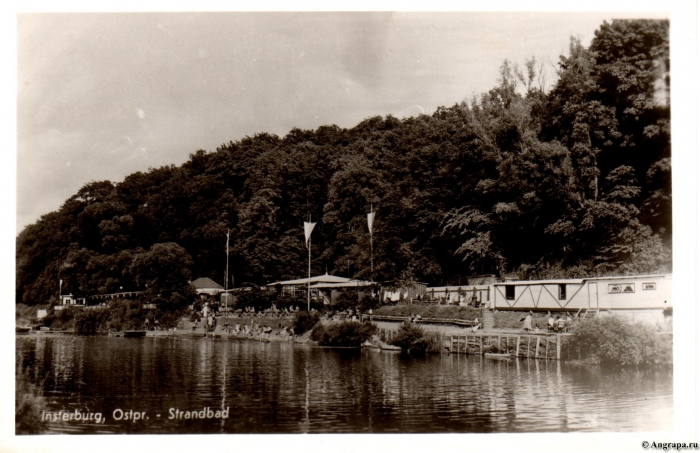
column 134, row 333
column 494, row 355
column 389, row 347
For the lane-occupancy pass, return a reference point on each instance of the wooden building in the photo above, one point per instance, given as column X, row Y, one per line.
column 640, row 297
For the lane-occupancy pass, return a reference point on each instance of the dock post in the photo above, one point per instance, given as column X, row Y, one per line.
column 546, row 347
column 558, row 347
column 537, row 348
column 481, row 345
column 528, row 345
column 517, row 346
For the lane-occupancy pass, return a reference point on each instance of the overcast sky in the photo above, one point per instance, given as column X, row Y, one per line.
column 101, row 96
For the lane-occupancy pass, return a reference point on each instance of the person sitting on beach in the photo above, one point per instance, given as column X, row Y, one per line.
column 561, row 324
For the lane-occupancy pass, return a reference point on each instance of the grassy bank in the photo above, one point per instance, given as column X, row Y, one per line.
column 429, row 311
column 512, row 320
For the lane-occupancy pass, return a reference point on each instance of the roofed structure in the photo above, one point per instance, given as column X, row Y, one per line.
column 206, row 285
column 315, row 279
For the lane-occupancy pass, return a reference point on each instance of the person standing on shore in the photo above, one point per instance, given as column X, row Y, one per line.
column 527, row 325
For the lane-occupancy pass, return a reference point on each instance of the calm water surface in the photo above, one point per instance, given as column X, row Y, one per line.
column 285, row 388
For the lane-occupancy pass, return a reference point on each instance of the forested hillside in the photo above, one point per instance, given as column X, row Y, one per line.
column 520, row 181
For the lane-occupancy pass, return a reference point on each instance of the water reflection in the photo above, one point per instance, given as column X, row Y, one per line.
column 272, row 387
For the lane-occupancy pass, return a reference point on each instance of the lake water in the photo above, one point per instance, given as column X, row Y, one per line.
column 287, row 388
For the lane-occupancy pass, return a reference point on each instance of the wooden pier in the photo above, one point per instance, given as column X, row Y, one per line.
column 533, row 346
column 540, row 345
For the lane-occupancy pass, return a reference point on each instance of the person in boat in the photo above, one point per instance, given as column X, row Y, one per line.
column 527, row 324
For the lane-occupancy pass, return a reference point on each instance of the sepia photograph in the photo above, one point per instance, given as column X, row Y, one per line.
column 374, row 223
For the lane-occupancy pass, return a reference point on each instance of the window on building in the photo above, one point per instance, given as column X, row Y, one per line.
column 510, row 292
column 620, row 288
column 648, row 286
column 562, row 292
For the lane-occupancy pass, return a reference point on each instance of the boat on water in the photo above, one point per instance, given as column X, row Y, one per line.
column 134, row 333
column 388, row 347
column 494, row 355
column 369, row 345
column 22, row 329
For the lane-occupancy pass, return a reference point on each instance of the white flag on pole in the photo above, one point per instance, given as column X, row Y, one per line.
column 227, row 243
column 308, row 228
column 370, row 221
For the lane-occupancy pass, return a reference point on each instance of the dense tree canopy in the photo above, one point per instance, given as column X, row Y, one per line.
column 570, row 182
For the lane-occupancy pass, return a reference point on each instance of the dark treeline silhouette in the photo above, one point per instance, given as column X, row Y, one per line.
column 520, row 181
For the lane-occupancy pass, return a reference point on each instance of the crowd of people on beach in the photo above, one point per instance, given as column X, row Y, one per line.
column 272, row 312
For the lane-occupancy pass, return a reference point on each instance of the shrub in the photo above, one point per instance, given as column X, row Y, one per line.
column 414, row 340
column 305, row 321
column 62, row 319
column 618, row 341
column 126, row 314
column 346, row 333
column 91, row 321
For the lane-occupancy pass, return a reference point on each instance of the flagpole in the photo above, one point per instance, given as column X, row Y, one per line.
column 371, row 257
column 226, row 276
column 370, row 222
column 308, row 228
